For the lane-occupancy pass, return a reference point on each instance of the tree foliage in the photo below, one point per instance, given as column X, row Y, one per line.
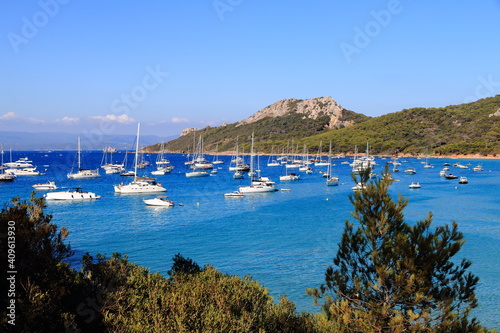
column 195, row 300
column 469, row 128
column 391, row 276
column 45, row 287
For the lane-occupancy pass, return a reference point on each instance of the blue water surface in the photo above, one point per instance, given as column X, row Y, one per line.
column 285, row 240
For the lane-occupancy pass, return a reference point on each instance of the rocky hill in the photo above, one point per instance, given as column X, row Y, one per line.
column 471, row 128
column 313, row 108
column 284, row 120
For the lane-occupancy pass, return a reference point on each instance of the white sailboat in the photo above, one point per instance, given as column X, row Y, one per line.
column 139, row 185
column 216, row 157
column 163, row 165
column 83, row 173
column 5, row 176
column 107, row 162
column 256, row 185
column 427, row 165
column 199, row 161
column 331, row 181
column 237, row 162
column 319, row 161
column 272, row 161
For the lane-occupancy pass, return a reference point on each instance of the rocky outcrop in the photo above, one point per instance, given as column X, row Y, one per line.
column 186, row 131
column 310, row 108
column 496, row 114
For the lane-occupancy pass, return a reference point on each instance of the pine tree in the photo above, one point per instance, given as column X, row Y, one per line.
column 392, row 276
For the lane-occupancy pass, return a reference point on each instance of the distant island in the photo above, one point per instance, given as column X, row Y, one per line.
column 469, row 129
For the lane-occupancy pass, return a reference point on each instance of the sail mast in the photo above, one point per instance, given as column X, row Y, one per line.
column 251, row 159
column 79, row 167
column 136, row 161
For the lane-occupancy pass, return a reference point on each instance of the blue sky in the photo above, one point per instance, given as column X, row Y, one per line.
column 69, row 65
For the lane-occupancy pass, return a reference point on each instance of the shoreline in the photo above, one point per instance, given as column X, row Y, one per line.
column 350, row 154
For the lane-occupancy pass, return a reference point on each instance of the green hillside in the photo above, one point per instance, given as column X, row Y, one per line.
column 268, row 132
column 456, row 129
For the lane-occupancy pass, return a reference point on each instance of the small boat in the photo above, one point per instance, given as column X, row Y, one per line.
column 76, row 195
column 160, row 201
column 359, row 187
column 442, row 173
column 197, row 174
column 450, row 176
column 290, row 177
column 49, row 185
column 410, row 171
column 414, row 185
column 23, row 162
column 234, row 194
column 463, row 180
column 478, row 167
column 461, row 166
column 23, row 172
column 333, row 181
column 238, row 175
column 7, row 177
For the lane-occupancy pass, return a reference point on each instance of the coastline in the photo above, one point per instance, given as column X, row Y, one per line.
column 351, row 154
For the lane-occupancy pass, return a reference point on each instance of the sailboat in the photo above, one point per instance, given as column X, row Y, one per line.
column 107, row 162
column 163, row 165
column 257, row 185
column 139, row 185
column 426, row 164
column 83, row 173
column 199, row 161
column 216, row 158
column 237, row 162
column 272, row 162
column 319, row 161
column 5, row 177
column 331, row 181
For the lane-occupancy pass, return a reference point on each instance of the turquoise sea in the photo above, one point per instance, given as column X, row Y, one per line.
column 285, row 240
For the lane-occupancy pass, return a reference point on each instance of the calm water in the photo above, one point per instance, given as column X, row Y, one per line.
column 285, row 240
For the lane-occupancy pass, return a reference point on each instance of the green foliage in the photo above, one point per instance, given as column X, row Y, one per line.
column 270, row 132
column 183, row 266
column 202, row 301
column 389, row 275
column 455, row 129
column 411, row 131
column 45, row 285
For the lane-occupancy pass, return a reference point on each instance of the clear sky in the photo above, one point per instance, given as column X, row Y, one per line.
column 68, row 65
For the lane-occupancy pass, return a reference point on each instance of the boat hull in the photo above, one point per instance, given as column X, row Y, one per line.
column 70, row 195
column 139, row 187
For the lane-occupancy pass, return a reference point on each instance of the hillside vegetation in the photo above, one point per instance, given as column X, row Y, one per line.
column 472, row 128
column 455, row 129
